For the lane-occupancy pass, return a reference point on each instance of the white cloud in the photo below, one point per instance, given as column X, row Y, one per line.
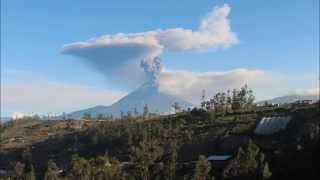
column 214, row 31
column 18, row 115
column 189, row 85
column 43, row 96
column 120, row 54
column 312, row 91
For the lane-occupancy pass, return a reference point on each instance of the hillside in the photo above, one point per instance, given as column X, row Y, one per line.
column 196, row 133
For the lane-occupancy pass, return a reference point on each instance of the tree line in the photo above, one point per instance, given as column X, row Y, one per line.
column 234, row 100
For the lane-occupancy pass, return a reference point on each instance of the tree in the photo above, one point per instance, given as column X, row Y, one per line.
column 219, row 101
column 229, row 100
column 208, row 105
column 135, row 112
column 52, row 172
column 87, row 116
column 265, row 171
column 176, row 107
column 105, row 168
column 235, row 105
column 145, row 111
column 242, row 99
column 99, row 168
column 29, row 172
column 121, row 114
column 19, row 170
column 250, row 98
column 246, row 97
column 129, row 114
column 145, row 153
column 80, row 168
column 173, row 156
column 203, row 97
column 202, row 170
column 249, row 163
column 100, row 116
column 263, row 168
column 203, row 104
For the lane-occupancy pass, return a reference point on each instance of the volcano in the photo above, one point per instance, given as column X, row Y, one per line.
column 148, row 93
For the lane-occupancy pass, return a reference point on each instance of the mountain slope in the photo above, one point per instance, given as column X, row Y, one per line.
column 147, row 94
column 291, row 98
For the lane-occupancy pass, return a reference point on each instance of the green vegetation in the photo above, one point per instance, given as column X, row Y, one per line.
column 249, row 162
column 52, row 172
column 23, row 171
column 202, row 169
column 235, row 100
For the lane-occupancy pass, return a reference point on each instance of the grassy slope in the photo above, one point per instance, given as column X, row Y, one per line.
column 199, row 133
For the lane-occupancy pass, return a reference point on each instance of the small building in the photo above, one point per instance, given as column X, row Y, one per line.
column 219, row 161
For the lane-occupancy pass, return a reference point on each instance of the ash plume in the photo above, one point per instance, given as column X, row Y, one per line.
column 152, row 68
column 132, row 57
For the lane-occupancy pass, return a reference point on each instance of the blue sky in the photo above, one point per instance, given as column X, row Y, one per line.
column 279, row 37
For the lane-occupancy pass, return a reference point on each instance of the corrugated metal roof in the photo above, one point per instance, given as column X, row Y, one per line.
column 270, row 125
column 218, row 157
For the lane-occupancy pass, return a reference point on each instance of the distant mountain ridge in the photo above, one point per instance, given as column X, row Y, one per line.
column 291, row 98
column 148, row 93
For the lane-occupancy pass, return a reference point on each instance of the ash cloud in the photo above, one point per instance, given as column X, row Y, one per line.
column 133, row 56
column 152, row 68
column 118, row 60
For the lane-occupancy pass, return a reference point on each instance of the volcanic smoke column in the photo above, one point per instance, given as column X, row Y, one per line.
column 152, row 69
